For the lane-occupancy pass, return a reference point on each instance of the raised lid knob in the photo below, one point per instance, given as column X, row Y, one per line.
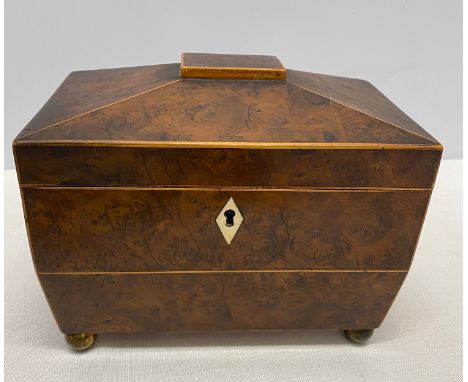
column 231, row 66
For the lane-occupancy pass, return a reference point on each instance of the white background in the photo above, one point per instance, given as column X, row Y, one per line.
column 409, row 49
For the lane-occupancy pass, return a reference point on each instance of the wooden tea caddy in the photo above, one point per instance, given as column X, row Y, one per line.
column 222, row 193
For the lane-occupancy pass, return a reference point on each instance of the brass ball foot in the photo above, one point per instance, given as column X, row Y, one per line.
column 358, row 336
column 80, row 341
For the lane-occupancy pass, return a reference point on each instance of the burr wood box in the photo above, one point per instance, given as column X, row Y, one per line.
column 222, row 193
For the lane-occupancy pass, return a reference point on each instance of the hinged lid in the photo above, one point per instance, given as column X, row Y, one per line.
column 162, row 105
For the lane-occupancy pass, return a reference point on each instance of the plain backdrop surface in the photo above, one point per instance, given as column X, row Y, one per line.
column 420, row 339
column 409, row 49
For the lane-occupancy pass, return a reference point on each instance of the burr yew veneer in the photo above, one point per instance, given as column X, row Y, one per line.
column 222, row 193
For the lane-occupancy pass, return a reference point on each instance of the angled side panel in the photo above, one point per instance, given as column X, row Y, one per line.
column 84, row 91
column 359, row 95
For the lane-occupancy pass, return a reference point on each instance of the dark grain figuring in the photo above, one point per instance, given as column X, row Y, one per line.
column 150, row 230
column 145, row 166
column 125, row 303
column 123, row 172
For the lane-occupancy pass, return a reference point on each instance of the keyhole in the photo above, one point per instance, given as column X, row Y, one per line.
column 229, row 214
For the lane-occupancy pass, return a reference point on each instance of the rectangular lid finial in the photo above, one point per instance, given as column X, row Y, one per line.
column 231, row 66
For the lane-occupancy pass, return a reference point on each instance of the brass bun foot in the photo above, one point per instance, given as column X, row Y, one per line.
column 80, row 341
column 358, row 336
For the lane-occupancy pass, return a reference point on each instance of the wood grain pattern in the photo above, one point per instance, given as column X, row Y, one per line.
column 359, row 95
column 140, row 166
column 143, row 230
column 227, row 110
column 124, row 171
column 88, row 90
column 254, row 301
column 239, row 66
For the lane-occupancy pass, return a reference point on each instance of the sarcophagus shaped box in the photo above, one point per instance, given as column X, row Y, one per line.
column 222, row 193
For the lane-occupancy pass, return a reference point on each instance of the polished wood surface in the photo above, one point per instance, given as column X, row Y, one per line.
column 124, row 171
column 244, row 301
column 227, row 110
column 88, row 90
column 146, row 230
column 359, row 95
column 143, row 166
column 238, row 66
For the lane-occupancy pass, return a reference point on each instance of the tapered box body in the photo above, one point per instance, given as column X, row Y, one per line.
column 124, row 174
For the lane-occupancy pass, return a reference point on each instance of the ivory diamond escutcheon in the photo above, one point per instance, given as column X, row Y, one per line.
column 229, row 220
